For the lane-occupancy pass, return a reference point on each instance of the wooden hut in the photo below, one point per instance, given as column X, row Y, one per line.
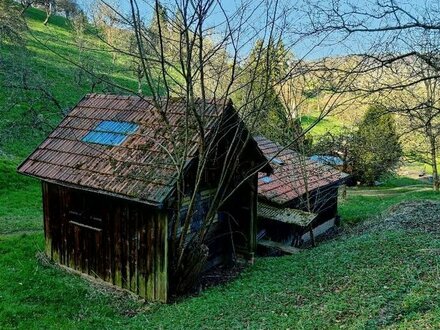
column 299, row 200
column 109, row 187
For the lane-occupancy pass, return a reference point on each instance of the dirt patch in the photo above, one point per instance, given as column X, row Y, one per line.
column 221, row 275
column 423, row 216
column 330, row 235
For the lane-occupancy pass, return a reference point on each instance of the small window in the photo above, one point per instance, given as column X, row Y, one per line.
column 266, row 179
column 112, row 133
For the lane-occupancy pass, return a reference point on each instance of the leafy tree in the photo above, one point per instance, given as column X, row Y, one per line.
column 376, row 149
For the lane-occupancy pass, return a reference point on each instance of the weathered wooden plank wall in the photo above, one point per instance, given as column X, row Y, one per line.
column 323, row 201
column 241, row 209
column 122, row 242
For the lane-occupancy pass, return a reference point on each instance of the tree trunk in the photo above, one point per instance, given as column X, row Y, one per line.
column 48, row 14
column 139, row 75
column 139, row 86
column 435, row 178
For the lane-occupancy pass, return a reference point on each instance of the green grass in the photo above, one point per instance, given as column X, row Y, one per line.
column 45, row 66
column 388, row 279
column 20, row 200
column 35, row 296
column 374, row 280
column 364, row 202
column 327, row 124
column 402, row 181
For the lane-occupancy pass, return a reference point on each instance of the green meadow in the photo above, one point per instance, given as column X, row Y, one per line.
column 359, row 280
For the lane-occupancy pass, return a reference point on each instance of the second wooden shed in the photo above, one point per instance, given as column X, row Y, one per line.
column 300, row 198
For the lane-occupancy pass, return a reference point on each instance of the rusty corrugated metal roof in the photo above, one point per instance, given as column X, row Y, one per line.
column 141, row 167
column 293, row 175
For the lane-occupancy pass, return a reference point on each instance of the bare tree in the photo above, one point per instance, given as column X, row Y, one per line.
column 401, row 42
column 105, row 17
column 418, row 107
column 199, row 54
column 25, row 4
column 49, row 7
column 69, row 7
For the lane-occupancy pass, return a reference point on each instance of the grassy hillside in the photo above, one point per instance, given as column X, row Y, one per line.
column 377, row 279
column 28, row 115
column 380, row 279
column 373, row 279
column 45, row 62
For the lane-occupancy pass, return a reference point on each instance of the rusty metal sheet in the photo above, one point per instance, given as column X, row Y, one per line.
column 293, row 174
column 142, row 166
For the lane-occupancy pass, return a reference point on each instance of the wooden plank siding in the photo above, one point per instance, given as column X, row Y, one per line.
column 122, row 242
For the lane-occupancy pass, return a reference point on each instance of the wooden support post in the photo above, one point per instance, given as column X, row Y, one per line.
column 253, row 216
column 312, row 236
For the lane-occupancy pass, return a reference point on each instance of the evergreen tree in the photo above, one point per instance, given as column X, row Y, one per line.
column 266, row 66
column 376, row 149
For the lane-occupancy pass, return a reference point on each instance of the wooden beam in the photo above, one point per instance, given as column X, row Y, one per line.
column 278, row 246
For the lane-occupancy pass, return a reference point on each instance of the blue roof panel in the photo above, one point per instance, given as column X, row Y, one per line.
column 122, row 127
column 111, row 133
column 277, row 161
column 105, row 138
column 266, row 179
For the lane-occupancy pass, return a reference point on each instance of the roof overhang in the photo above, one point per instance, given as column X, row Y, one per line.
column 101, row 192
column 286, row 215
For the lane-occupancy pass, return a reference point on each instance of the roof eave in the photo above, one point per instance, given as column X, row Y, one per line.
column 156, row 204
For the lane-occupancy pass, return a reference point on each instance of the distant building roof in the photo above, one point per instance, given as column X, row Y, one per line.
column 293, row 174
column 120, row 145
column 328, row 160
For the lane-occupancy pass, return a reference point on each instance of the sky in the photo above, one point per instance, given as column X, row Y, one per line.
column 329, row 45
